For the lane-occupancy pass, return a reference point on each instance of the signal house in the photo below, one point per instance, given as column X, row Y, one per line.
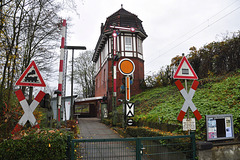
column 129, row 45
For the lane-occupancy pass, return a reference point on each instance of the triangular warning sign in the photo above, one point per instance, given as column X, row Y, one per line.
column 31, row 77
column 185, row 70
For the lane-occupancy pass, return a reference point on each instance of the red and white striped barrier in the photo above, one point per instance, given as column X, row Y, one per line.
column 28, row 110
column 188, row 100
column 60, row 80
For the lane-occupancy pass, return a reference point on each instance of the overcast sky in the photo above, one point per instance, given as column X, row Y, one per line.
column 172, row 26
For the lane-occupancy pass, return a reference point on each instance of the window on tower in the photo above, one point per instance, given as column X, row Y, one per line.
column 139, row 45
column 128, row 43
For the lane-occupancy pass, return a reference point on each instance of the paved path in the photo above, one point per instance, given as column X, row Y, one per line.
column 92, row 128
column 108, row 149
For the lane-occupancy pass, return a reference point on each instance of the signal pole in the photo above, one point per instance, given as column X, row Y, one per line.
column 114, row 64
column 73, row 48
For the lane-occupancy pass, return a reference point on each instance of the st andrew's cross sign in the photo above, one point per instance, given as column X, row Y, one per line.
column 188, row 100
column 28, row 110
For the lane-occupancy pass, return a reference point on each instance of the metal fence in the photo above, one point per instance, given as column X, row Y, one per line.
column 144, row 148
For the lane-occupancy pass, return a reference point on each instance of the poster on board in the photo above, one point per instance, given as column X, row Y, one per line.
column 219, row 127
column 212, row 128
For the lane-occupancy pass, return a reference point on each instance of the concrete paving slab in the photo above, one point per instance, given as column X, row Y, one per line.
column 92, row 128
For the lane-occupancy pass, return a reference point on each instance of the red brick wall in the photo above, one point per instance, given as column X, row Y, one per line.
column 101, row 81
column 101, row 89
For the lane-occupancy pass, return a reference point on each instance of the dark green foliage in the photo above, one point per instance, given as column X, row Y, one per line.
column 107, row 121
column 36, row 145
column 219, row 95
column 216, row 58
column 146, row 132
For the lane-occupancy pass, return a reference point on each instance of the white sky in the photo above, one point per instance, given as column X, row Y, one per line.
column 172, row 26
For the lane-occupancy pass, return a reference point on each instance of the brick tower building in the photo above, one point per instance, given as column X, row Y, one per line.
column 128, row 45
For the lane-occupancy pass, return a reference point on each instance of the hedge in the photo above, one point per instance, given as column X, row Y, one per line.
column 147, row 132
column 35, row 145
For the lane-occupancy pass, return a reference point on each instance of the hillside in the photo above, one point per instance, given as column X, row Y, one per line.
column 218, row 95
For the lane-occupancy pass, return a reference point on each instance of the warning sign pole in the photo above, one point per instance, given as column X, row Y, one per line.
column 188, row 108
column 185, row 71
column 186, row 90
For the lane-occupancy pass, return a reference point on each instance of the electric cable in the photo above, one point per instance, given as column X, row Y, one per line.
column 198, row 31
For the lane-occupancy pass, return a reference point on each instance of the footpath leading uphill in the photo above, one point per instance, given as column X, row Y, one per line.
column 92, row 128
column 101, row 142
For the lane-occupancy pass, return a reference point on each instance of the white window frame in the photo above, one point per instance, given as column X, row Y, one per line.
column 139, row 45
column 128, row 43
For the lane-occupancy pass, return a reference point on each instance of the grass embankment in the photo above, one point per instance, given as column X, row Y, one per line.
column 218, row 95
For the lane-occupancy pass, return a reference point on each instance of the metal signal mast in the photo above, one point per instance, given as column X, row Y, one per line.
column 114, row 34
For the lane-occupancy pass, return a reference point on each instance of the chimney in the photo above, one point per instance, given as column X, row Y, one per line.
column 102, row 26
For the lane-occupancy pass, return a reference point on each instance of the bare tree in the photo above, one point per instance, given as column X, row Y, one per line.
column 41, row 35
column 84, row 74
column 30, row 31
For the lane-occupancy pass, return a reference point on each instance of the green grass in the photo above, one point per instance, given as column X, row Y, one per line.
column 219, row 95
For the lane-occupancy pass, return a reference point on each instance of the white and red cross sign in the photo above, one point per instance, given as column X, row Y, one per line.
column 28, row 110
column 188, row 100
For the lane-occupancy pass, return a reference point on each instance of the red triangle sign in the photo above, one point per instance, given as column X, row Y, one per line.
column 31, row 77
column 185, row 70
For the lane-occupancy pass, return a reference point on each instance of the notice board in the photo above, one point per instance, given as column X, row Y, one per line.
column 219, row 127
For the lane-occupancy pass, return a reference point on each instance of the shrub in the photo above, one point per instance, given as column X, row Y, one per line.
column 73, row 126
column 108, row 122
column 146, row 132
column 35, row 144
